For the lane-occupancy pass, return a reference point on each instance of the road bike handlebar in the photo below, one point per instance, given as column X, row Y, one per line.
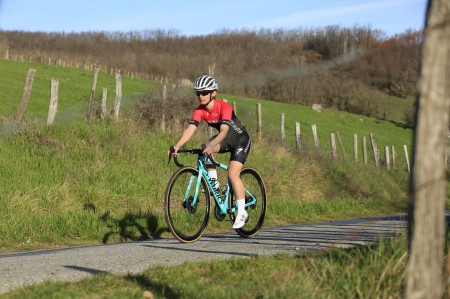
column 196, row 151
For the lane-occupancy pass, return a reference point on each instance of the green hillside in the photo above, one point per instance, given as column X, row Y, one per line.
column 77, row 183
column 74, row 90
column 75, row 85
column 327, row 121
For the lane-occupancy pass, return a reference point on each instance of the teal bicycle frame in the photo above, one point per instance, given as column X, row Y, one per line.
column 222, row 200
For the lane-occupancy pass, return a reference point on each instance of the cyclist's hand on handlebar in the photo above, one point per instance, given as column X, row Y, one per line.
column 173, row 151
column 208, row 150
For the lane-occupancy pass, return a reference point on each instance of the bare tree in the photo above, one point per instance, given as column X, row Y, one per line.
column 428, row 179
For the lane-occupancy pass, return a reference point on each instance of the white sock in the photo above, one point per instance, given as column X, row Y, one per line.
column 213, row 176
column 241, row 206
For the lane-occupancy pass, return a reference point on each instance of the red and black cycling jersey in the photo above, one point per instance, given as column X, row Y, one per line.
column 237, row 141
column 221, row 113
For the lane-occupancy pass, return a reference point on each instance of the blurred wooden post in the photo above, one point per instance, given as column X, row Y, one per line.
column 427, row 232
column 333, row 146
column 174, row 91
column 316, row 139
column 387, row 158
column 259, row 120
column 91, row 96
column 341, row 144
column 355, row 147
column 104, row 99
column 283, row 132
column 364, row 145
column 374, row 150
column 53, row 107
column 164, row 97
column 25, row 97
column 405, row 148
column 394, row 159
column 118, row 97
column 297, row 136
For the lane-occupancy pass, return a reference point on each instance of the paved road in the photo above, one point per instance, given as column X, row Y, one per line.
column 75, row 263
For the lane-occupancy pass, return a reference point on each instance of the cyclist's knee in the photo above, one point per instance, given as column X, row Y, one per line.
column 234, row 176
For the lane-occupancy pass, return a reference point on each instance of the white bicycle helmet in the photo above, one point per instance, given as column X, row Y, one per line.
column 205, row 83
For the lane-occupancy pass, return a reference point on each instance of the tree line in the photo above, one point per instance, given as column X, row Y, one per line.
column 344, row 68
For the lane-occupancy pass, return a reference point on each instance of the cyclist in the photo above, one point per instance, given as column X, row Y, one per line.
column 232, row 137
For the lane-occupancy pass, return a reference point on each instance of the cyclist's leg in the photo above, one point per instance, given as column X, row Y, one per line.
column 238, row 158
column 212, row 172
column 234, row 173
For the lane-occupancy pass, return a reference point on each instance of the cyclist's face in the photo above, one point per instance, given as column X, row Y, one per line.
column 205, row 97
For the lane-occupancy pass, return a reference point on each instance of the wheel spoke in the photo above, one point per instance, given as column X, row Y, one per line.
column 255, row 198
column 187, row 213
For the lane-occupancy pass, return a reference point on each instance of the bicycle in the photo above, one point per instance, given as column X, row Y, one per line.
column 187, row 199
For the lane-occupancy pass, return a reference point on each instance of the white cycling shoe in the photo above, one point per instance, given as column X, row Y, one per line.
column 241, row 218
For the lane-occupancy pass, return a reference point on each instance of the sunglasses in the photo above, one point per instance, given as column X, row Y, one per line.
column 202, row 93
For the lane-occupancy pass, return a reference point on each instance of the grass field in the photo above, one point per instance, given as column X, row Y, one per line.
column 75, row 183
column 78, row 181
column 74, row 90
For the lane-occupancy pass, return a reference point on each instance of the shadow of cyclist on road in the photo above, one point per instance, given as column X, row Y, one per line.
column 132, row 226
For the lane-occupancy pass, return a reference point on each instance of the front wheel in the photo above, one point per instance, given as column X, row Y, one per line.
column 255, row 193
column 187, row 215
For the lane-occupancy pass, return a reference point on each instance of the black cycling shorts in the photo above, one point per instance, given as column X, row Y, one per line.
column 239, row 148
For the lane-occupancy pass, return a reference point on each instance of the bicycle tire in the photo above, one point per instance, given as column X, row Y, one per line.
column 186, row 222
column 253, row 182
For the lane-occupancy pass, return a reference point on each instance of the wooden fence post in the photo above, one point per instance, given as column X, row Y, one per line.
column 355, row 147
column 91, row 96
column 26, row 96
column 341, row 144
column 53, row 107
column 164, row 96
column 316, row 139
column 426, row 273
column 259, row 120
column 118, row 97
column 174, row 91
column 333, row 145
column 375, row 150
column 394, row 159
column 283, row 132
column 297, row 136
column 387, row 158
column 104, row 99
column 405, row 148
column 364, row 145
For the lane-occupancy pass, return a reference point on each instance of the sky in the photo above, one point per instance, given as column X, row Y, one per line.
column 194, row 17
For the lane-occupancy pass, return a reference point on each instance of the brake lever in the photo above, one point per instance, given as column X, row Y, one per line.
column 205, row 154
column 171, row 151
column 211, row 159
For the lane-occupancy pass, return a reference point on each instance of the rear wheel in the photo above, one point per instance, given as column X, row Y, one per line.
column 254, row 190
column 186, row 217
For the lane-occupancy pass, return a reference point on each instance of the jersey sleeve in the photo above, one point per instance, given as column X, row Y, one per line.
column 196, row 117
column 226, row 114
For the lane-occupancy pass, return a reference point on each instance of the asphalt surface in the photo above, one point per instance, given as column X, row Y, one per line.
column 75, row 263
